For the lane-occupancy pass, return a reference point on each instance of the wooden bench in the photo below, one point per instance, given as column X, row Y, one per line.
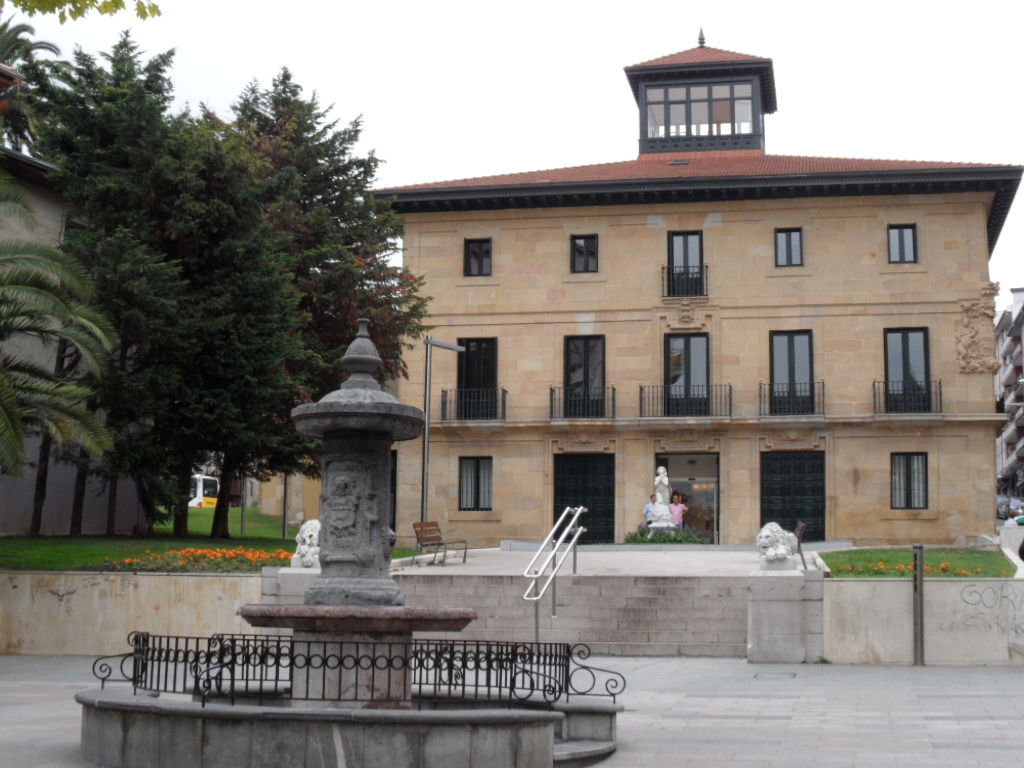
column 429, row 536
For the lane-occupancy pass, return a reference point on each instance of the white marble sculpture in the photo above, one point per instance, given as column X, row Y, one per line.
column 307, row 553
column 776, row 547
column 662, row 520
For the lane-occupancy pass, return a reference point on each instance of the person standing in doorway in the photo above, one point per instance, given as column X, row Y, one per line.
column 678, row 510
column 649, row 509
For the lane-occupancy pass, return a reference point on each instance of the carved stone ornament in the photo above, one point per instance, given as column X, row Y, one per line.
column 975, row 348
column 583, row 441
column 307, row 553
column 688, row 439
column 689, row 318
column 776, row 547
column 791, row 439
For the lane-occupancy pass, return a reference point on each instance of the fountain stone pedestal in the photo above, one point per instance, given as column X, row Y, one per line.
column 353, row 614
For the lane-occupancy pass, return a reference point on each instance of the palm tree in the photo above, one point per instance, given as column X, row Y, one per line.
column 42, row 299
column 18, row 103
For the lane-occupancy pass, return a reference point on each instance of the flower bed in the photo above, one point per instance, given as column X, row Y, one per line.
column 196, row 560
column 967, row 563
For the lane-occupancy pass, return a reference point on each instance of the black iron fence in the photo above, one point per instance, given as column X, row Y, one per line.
column 908, row 396
column 678, row 400
column 268, row 668
column 684, row 281
column 793, row 399
column 582, row 402
column 473, row 404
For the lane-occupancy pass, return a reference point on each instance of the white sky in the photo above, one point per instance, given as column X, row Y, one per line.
column 452, row 89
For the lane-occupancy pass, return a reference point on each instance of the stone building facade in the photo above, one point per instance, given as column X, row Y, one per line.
column 794, row 338
column 1010, row 392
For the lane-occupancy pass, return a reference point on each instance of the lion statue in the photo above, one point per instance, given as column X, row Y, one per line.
column 775, row 544
column 307, row 553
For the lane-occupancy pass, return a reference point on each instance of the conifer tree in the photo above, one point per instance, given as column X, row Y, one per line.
column 340, row 238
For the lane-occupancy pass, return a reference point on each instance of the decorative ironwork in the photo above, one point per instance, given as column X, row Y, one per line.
column 582, row 402
column 793, row 399
column 473, row 404
column 908, row 396
column 246, row 667
column 680, row 400
column 684, row 281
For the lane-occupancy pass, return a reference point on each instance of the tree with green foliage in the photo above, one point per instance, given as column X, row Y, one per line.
column 339, row 237
column 19, row 101
column 43, row 299
column 76, row 9
column 115, row 144
column 242, row 389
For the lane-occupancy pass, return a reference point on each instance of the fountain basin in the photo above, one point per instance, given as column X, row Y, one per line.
column 341, row 620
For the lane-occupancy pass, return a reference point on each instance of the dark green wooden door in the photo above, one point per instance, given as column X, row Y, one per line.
column 793, row 491
column 588, row 480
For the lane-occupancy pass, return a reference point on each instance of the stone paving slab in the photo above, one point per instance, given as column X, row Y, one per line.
column 683, row 712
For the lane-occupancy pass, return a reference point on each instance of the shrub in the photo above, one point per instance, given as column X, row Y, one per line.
column 686, row 536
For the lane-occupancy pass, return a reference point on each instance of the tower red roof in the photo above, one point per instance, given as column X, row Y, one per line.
column 699, row 55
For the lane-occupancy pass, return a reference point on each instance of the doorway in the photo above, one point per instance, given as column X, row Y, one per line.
column 793, row 491
column 695, row 476
column 588, row 479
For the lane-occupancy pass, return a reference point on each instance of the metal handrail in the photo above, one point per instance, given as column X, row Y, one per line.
column 560, row 549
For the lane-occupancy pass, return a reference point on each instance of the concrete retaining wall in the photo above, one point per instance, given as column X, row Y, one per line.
column 58, row 612
column 870, row 621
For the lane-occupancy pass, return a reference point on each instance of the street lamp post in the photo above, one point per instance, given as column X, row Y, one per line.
column 430, row 343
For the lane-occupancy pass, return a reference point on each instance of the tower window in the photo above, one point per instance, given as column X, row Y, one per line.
column 699, row 110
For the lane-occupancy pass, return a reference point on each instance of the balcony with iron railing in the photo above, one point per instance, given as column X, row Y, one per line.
column 1008, row 343
column 684, row 281
column 582, row 402
column 473, row 404
column 792, row 399
column 1009, row 375
column 908, row 396
column 686, row 401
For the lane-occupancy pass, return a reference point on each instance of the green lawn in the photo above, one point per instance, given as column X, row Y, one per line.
column 200, row 520
column 961, row 563
column 63, row 553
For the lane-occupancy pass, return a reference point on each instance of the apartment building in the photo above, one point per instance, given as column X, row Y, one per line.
column 1010, row 393
column 794, row 338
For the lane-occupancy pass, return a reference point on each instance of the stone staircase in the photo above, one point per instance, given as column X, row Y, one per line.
column 614, row 615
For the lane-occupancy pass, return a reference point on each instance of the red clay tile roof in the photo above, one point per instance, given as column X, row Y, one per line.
column 697, row 165
column 700, row 55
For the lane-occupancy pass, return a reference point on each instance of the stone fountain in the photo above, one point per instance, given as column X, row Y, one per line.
column 355, row 600
column 339, row 690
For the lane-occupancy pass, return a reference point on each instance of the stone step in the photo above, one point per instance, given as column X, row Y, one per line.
column 579, row 752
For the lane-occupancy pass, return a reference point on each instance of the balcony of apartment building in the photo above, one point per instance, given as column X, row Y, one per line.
column 792, row 400
column 686, row 401
column 582, row 402
column 908, row 397
column 487, row 404
column 684, row 281
column 1008, row 374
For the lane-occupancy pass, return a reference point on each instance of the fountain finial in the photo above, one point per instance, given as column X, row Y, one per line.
column 361, row 360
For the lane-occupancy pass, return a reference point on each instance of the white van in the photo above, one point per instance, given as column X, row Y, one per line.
column 204, row 491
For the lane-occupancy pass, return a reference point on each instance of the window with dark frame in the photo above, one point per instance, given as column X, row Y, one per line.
column 476, row 486
column 902, row 243
column 789, row 247
column 583, row 253
column 909, row 480
column 477, row 258
column 714, row 109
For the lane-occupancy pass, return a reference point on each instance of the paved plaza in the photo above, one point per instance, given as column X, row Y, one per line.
column 679, row 712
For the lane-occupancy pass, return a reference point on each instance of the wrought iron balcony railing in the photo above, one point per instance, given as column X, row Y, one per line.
column 908, row 396
column 473, row 404
column 684, row 281
column 583, row 402
column 796, row 399
column 678, row 400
